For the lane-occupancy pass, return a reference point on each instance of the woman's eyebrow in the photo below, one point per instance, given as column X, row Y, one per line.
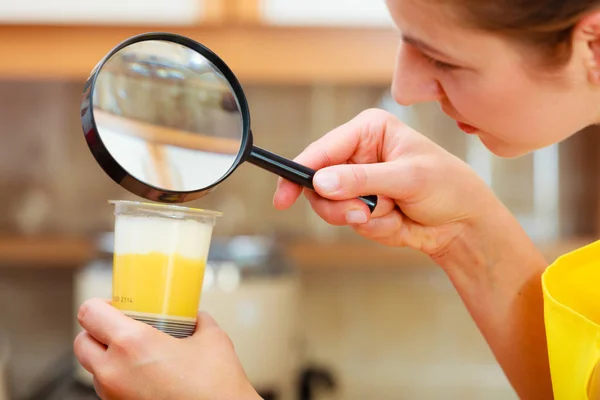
column 424, row 46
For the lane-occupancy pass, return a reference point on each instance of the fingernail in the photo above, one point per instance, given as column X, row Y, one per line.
column 356, row 217
column 327, row 181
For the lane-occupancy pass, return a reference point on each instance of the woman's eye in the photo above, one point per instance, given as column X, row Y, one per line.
column 442, row 66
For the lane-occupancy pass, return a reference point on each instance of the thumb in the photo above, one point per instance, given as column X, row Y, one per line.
column 347, row 181
column 204, row 321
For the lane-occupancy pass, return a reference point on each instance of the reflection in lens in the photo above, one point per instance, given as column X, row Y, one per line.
column 167, row 116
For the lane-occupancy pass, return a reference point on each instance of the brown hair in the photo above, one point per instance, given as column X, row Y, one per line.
column 544, row 25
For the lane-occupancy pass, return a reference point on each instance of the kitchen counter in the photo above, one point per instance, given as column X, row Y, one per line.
column 70, row 252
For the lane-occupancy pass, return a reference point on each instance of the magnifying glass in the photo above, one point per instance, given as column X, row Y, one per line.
column 168, row 120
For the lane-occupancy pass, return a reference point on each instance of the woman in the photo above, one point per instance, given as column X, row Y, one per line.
column 519, row 74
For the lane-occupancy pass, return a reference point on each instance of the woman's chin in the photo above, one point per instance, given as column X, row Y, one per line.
column 502, row 149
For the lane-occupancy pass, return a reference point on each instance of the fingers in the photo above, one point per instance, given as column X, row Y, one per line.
column 205, row 321
column 206, row 328
column 89, row 351
column 104, row 322
column 365, row 132
column 347, row 212
column 395, row 179
column 382, row 227
column 286, row 194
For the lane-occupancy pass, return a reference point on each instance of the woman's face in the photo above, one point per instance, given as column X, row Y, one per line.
column 487, row 84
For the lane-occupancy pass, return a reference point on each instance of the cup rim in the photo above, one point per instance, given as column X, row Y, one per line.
column 167, row 207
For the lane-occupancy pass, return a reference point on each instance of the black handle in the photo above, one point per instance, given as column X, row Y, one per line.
column 292, row 171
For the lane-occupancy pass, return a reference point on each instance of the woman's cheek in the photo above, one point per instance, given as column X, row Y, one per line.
column 481, row 112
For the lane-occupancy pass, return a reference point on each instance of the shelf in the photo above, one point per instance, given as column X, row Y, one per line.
column 257, row 54
column 306, row 255
column 313, row 256
column 155, row 134
column 334, row 256
column 45, row 252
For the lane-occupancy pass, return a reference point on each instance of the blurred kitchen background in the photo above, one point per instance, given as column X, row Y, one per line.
column 315, row 311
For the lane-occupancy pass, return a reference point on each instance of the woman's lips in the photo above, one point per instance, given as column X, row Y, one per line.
column 470, row 129
column 466, row 128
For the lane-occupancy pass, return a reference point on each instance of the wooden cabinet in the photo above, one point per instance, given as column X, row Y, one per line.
column 105, row 12
column 263, row 41
column 306, row 13
column 349, row 13
column 339, row 13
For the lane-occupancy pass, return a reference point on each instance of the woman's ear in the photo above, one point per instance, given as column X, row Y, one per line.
column 586, row 45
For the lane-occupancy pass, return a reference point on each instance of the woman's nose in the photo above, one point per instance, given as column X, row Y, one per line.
column 413, row 79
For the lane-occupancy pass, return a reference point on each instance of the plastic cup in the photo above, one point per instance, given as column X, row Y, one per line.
column 160, row 254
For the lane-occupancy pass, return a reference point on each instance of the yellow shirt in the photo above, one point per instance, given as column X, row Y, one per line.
column 572, row 313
